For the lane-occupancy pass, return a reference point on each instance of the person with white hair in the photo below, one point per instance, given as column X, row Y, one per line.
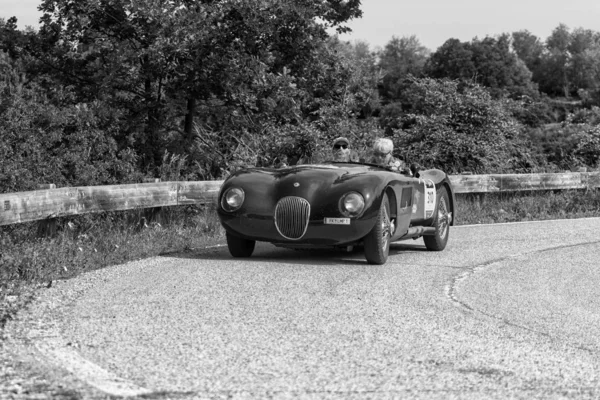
column 382, row 155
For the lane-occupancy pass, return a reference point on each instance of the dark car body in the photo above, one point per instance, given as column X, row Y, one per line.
column 299, row 206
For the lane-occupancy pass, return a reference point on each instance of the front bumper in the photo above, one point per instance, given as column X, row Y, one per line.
column 317, row 233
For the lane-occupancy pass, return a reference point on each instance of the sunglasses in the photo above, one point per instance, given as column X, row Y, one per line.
column 340, row 146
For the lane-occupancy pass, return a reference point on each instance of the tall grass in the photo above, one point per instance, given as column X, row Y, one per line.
column 493, row 208
column 93, row 241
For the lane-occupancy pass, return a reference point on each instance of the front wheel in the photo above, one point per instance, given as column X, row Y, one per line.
column 441, row 223
column 377, row 242
column 240, row 247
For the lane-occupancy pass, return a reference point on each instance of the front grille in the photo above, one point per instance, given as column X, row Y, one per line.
column 291, row 217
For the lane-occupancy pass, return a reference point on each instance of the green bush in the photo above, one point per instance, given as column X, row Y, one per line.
column 459, row 127
column 587, row 149
column 568, row 145
column 68, row 146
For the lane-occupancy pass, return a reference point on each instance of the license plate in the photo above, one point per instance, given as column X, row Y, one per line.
column 337, row 221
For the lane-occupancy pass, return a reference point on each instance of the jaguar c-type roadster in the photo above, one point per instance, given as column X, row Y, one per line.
column 338, row 205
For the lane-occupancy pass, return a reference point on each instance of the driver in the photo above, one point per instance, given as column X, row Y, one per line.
column 341, row 149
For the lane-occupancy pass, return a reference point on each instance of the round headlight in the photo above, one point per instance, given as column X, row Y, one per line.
column 232, row 199
column 352, row 203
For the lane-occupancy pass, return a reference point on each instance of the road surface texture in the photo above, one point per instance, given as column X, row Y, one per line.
column 506, row 311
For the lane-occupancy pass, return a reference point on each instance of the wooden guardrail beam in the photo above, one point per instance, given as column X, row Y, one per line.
column 519, row 182
column 52, row 203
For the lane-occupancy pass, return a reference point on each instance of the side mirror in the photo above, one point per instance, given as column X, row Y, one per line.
column 414, row 168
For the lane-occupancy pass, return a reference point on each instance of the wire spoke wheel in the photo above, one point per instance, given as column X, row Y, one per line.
column 386, row 231
column 377, row 242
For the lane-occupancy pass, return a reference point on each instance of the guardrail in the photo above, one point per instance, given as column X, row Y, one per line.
column 52, row 203
column 38, row 205
column 519, row 182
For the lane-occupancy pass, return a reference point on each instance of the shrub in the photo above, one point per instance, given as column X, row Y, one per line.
column 68, row 146
column 459, row 127
column 567, row 145
column 587, row 149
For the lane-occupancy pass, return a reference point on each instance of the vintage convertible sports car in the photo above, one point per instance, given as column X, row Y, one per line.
column 335, row 205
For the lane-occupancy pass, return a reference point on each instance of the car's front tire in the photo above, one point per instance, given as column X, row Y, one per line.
column 377, row 242
column 240, row 247
column 443, row 217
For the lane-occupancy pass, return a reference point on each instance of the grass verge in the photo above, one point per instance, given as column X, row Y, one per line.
column 493, row 208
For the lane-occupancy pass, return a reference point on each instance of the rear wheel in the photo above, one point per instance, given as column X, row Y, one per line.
column 240, row 247
column 443, row 217
column 377, row 242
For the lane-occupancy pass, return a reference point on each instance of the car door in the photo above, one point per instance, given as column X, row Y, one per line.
column 425, row 196
column 404, row 189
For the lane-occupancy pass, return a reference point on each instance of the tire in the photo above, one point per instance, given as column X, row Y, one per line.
column 240, row 247
column 377, row 242
column 441, row 223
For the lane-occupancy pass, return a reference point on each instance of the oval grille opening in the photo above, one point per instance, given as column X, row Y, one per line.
column 291, row 217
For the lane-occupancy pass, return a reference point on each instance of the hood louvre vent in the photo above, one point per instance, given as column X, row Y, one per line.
column 291, row 217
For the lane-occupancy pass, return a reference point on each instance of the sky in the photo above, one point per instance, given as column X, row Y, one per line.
column 435, row 21
column 431, row 21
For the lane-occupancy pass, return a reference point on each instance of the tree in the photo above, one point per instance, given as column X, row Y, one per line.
column 452, row 60
column 163, row 60
column 489, row 62
column 584, row 68
column 459, row 127
column 499, row 68
column 361, row 93
column 556, row 61
column 528, row 48
column 399, row 58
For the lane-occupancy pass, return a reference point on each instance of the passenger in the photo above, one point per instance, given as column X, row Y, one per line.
column 382, row 155
column 341, row 150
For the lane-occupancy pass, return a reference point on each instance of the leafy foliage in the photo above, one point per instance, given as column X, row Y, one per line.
column 460, row 127
column 117, row 91
column 163, row 62
column 566, row 64
column 400, row 58
column 489, row 62
column 40, row 143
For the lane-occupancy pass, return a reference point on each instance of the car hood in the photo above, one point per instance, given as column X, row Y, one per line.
column 319, row 184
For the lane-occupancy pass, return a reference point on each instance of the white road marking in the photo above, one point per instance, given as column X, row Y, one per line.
column 53, row 347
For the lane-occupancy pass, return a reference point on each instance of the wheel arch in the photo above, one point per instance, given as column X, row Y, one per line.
column 392, row 200
column 452, row 199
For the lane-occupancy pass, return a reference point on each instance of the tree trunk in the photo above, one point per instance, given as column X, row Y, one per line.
column 189, row 119
column 152, row 152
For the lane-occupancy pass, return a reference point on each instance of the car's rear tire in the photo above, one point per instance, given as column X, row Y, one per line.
column 377, row 242
column 240, row 247
column 443, row 217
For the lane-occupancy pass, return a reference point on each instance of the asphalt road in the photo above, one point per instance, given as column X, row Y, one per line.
column 506, row 311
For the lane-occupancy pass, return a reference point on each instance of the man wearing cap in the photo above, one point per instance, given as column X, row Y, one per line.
column 382, row 155
column 341, row 149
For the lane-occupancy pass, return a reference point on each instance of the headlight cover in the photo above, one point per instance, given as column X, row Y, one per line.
column 232, row 199
column 352, row 204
